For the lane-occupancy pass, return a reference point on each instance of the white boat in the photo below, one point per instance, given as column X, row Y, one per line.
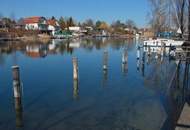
column 163, row 42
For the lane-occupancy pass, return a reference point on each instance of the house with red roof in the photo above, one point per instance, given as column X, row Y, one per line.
column 53, row 26
column 35, row 23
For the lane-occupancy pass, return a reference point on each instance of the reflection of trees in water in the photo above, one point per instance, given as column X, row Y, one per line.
column 2, row 59
column 62, row 46
column 159, row 74
column 115, row 44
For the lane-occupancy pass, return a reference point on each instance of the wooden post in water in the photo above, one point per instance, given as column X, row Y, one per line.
column 105, row 61
column 138, row 52
column 125, row 56
column 75, row 78
column 17, row 95
column 16, row 82
column 75, row 68
column 138, row 64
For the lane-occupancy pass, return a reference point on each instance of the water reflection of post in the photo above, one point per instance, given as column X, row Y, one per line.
column 178, row 74
column 17, row 96
column 105, row 61
column 125, row 61
column 19, row 112
column 156, row 50
column 105, row 66
column 148, row 55
column 162, row 51
column 75, row 78
column 186, row 77
column 143, row 64
column 75, row 89
column 138, row 58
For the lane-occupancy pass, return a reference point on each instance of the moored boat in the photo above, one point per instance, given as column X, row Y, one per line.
column 163, row 42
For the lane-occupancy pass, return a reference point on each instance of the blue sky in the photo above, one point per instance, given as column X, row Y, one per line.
column 107, row 10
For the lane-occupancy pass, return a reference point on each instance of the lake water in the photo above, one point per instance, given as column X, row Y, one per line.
column 131, row 96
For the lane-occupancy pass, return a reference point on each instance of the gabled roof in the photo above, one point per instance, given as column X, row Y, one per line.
column 35, row 19
column 52, row 22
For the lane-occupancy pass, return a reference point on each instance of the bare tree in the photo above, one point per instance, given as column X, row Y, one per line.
column 179, row 13
column 158, row 15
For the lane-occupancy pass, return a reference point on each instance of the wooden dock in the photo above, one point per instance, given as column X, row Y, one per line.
column 184, row 120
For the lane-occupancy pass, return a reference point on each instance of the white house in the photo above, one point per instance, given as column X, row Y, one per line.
column 35, row 23
column 53, row 26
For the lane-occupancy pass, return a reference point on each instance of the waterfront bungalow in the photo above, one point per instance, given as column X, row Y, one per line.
column 36, row 23
column 53, row 26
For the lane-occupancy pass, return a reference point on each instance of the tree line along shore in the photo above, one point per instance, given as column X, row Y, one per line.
column 37, row 27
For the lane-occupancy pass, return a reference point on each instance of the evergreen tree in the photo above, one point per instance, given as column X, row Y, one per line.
column 62, row 23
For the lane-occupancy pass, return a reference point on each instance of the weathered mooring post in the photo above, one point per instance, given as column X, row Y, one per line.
column 105, row 61
column 75, row 78
column 138, row 58
column 75, row 68
column 16, row 82
column 124, row 56
column 138, row 52
column 17, row 95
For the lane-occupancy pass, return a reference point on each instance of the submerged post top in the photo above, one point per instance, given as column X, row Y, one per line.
column 74, row 57
column 15, row 67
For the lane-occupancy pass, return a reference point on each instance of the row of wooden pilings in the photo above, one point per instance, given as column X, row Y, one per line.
column 17, row 85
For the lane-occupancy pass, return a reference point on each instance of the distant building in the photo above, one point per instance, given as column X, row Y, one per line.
column 146, row 32
column 88, row 28
column 20, row 24
column 53, row 26
column 35, row 23
column 130, row 30
column 74, row 29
